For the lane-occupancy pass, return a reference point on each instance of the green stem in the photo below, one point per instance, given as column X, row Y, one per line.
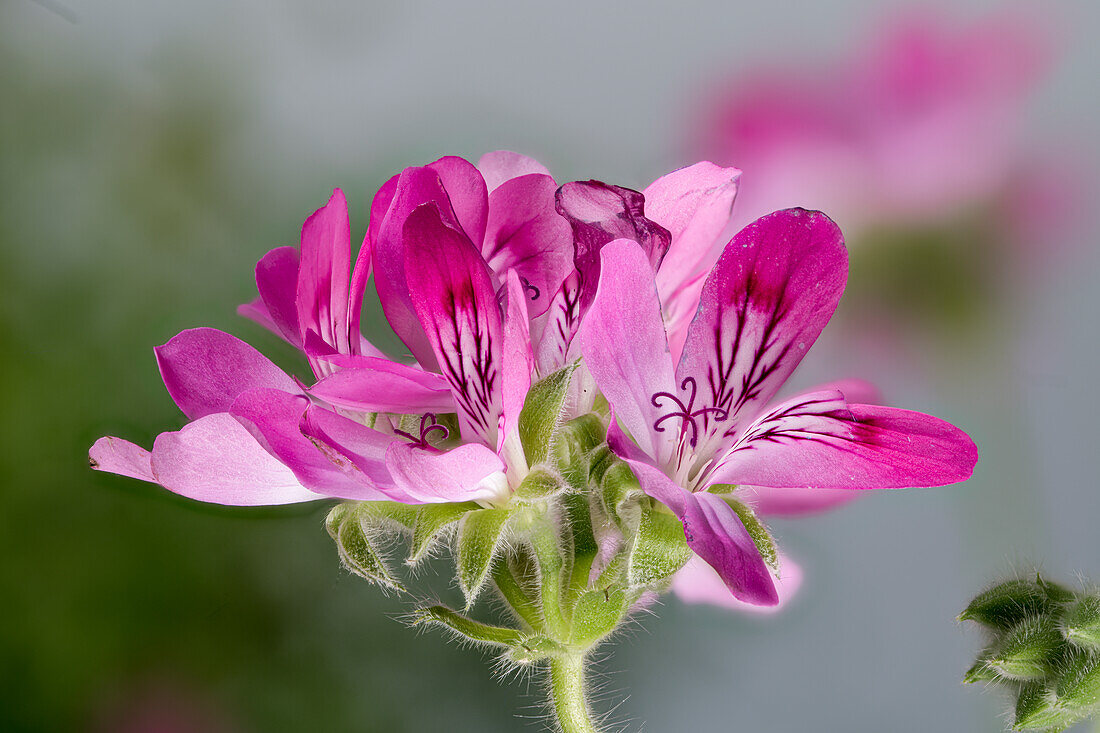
column 515, row 595
column 567, row 692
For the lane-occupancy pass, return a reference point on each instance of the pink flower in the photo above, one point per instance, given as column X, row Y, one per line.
column 464, row 309
column 921, row 122
column 705, row 423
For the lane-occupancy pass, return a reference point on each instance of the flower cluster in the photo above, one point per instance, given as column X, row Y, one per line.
column 590, row 404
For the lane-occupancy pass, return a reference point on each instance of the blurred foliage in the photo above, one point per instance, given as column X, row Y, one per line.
column 125, row 216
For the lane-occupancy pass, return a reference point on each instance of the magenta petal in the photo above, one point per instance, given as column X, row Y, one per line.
column 470, row 472
column 415, row 187
column 525, row 233
column 274, row 418
column 817, row 440
column 771, row 292
column 503, row 165
column 205, row 369
column 277, row 282
column 623, row 341
column 698, row 582
column 467, row 193
column 346, row 441
column 600, row 213
column 215, row 459
column 116, row 455
column 369, row 384
column 457, row 306
column 715, row 533
column 323, row 283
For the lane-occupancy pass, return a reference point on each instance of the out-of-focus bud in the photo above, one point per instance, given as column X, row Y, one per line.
column 1036, row 708
column 1079, row 685
column 1082, row 623
column 1005, row 605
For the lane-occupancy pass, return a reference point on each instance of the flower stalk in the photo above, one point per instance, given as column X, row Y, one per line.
column 568, row 694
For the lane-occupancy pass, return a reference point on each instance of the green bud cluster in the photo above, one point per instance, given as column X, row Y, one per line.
column 1044, row 647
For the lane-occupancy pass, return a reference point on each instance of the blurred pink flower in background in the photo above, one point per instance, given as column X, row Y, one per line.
column 922, row 121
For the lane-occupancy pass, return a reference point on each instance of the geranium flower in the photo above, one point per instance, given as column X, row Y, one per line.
column 694, row 431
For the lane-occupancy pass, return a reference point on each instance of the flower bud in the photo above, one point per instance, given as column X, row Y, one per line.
column 1079, row 683
column 1029, row 650
column 660, row 548
column 1037, row 708
column 1005, row 605
column 1082, row 623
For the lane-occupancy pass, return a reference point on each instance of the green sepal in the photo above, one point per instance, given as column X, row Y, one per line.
column 618, row 489
column 467, row 628
column 1007, row 604
column 541, row 413
column 596, row 614
column 765, row 545
column 480, row 535
column 1030, row 650
column 660, row 549
column 539, row 484
column 1037, row 708
column 391, row 512
column 431, row 520
column 980, row 671
column 573, row 447
column 345, row 524
column 1079, row 684
column 535, row 648
column 1082, row 623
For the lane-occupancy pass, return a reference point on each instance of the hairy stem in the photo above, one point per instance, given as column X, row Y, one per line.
column 567, row 693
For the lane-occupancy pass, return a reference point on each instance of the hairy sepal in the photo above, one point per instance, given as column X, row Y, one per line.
column 1082, row 623
column 660, row 549
column 481, row 534
column 432, row 521
column 350, row 525
column 761, row 537
column 1007, row 604
column 541, row 414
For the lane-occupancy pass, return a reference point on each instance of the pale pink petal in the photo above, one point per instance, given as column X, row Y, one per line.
column 698, row 582
column 346, row 442
column 788, row 502
column 817, row 440
column 454, row 299
column 116, row 455
column 771, row 292
column 215, row 459
column 517, row 362
column 503, row 165
column 470, row 472
column 205, row 369
column 623, row 342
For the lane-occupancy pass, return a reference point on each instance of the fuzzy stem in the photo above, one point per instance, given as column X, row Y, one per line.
column 567, row 693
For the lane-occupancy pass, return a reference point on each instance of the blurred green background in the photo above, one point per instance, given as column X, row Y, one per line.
column 149, row 155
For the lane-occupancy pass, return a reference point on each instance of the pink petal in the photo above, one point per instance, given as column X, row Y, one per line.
column 277, row 282
column 215, row 459
column 817, row 440
column 525, row 233
column 274, row 419
column 771, row 502
column 623, row 342
column 715, row 533
column 357, row 449
column 698, row 582
column 370, row 384
column 600, row 213
column 465, row 473
column 773, row 289
column 467, row 193
column 503, row 165
column 323, row 283
column 517, row 361
column 205, row 369
column 116, row 455
column 695, row 205
column 457, row 306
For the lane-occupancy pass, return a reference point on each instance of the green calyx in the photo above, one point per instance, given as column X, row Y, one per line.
column 1043, row 648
